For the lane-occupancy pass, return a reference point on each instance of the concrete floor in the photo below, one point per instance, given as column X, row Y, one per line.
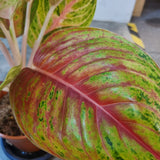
column 149, row 30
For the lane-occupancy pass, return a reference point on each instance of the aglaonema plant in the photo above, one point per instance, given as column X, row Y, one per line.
column 89, row 94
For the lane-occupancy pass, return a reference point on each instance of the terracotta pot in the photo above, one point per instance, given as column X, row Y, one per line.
column 20, row 142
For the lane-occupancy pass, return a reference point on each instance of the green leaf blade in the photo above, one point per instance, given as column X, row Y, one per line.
column 10, row 76
column 67, row 13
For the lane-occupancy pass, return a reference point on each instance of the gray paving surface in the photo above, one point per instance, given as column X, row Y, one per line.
column 149, row 30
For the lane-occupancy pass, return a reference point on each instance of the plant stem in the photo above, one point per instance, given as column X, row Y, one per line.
column 14, row 38
column 25, row 35
column 45, row 24
column 6, row 54
column 11, row 43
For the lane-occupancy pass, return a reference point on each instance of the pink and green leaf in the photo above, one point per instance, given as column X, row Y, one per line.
column 68, row 13
column 91, row 95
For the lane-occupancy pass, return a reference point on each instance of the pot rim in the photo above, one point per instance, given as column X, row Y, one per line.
column 12, row 137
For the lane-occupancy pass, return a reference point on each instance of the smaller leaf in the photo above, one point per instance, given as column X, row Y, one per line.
column 12, row 74
column 7, row 8
column 54, row 2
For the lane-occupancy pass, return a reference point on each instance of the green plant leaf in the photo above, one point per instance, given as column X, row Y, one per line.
column 7, row 8
column 53, row 2
column 10, row 76
column 19, row 17
column 92, row 95
column 68, row 13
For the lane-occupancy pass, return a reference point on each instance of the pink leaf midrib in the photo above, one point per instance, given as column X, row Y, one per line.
column 135, row 137
column 58, row 20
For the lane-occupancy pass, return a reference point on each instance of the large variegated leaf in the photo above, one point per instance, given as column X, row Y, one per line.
column 92, row 96
column 68, row 13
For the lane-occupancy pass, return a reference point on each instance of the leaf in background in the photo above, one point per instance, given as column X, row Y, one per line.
column 68, row 13
column 10, row 76
column 53, row 2
column 7, row 8
column 92, row 95
column 19, row 17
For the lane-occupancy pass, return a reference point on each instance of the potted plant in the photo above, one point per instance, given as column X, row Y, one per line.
column 33, row 19
column 9, row 129
column 12, row 136
column 89, row 94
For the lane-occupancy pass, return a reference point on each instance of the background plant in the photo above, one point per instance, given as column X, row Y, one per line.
column 33, row 19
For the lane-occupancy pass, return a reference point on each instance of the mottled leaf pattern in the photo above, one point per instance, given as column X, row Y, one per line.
column 92, row 96
column 68, row 13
